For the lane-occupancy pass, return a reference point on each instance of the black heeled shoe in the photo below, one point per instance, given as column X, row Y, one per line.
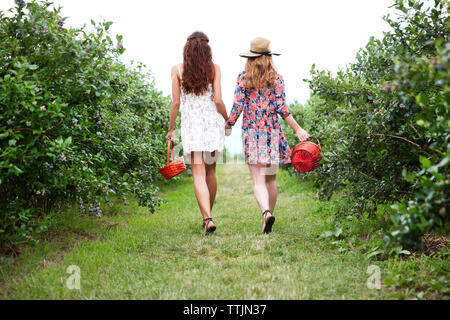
column 208, row 230
column 267, row 227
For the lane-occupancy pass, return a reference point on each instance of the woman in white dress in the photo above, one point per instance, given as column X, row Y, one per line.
column 203, row 117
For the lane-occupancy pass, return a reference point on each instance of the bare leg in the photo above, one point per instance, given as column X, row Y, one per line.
column 271, row 185
column 201, row 190
column 259, row 186
column 211, row 182
column 261, row 192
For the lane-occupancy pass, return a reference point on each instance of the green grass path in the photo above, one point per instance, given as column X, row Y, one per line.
column 166, row 256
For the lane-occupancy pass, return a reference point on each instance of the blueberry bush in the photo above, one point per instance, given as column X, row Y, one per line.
column 384, row 124
column 76, row 124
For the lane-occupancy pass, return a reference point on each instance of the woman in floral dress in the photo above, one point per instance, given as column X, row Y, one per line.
column 196, row 82
column 260, row 95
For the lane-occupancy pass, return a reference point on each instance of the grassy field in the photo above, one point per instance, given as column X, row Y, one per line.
column 136, row 255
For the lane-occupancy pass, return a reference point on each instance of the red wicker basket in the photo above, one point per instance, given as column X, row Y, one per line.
column 306, row 156
column 173, row 168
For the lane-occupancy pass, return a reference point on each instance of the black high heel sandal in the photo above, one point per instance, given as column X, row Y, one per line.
column 206, row 224
column 267, row 227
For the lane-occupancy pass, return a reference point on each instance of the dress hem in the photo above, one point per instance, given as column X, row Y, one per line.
column 190, row 151
column 268, row 163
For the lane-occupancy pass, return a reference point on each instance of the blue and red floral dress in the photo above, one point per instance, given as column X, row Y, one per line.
column 264, row 141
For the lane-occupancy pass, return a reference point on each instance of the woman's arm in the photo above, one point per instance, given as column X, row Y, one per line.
column 218, row 94
column 238, row 104
column 175, row 106
column 302, row 135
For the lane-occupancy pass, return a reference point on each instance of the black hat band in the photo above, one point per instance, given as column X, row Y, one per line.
column 266, row 53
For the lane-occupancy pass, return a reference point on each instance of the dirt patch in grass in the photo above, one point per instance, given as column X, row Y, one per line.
column 65, row 239
column 106, row 227
column 433, row 295
column 9, row 248
column 434, row 243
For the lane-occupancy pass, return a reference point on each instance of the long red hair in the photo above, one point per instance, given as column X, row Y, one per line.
column 198, row 65
column 260, row 72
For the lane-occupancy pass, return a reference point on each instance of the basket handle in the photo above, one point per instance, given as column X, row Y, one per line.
column 320, row 146
column 168, row 151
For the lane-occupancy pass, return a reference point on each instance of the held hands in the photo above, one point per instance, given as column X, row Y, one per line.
column 169, row 135
column 302, row 135
column 228, row 130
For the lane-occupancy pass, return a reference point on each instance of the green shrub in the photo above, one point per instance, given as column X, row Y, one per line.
column 425, row 83
column 76, row 124
column 383, row 123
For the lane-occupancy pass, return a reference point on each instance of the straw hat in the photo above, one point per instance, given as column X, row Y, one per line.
column 258, row 47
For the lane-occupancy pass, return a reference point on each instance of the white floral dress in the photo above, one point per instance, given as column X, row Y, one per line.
column 202, row 126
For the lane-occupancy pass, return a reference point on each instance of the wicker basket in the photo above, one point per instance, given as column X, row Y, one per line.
column 306, row 156
column 173, row 168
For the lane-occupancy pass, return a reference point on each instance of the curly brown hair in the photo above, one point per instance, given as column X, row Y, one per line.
column 198, row 65
column 260, row 72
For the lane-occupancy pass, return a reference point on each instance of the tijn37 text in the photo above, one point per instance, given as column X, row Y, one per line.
column 231, row 309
